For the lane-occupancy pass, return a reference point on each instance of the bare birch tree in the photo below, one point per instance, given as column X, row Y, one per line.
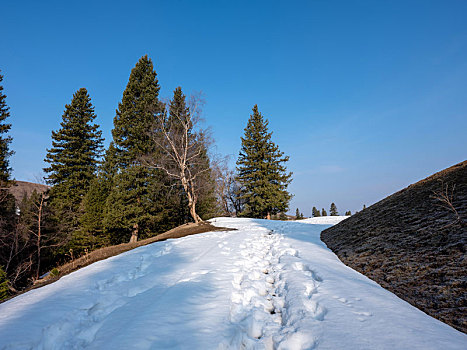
column 181, row 146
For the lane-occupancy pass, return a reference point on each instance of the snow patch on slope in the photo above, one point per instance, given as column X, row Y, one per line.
column 324, row 220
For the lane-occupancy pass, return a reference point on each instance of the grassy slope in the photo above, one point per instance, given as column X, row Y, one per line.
column 412, row 246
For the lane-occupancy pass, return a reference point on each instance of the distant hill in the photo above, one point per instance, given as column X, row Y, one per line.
column 24, row 188
column 412, row 244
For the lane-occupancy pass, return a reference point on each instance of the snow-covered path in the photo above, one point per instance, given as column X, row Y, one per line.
column 269, row 285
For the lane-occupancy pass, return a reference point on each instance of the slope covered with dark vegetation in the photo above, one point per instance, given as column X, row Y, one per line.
column 413, row 243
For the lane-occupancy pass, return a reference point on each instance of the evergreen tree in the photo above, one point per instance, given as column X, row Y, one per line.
column 298, row 215
column 364, row 206
column 261, row 171
column 4, row 289
column 333, row 210
column 348, row 213
column 135, row 114
column 5, row 141
column 323, row 212
column 140, row 200
column 92, row 233
column 73, row 159
column 7, row 202
column 315, row 212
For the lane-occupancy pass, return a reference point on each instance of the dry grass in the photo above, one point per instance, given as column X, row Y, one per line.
column 412, row 246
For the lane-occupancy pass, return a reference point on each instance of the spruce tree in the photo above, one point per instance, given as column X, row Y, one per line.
column 323, row 212
column 140, row 200
column 4, row 289
column 73, row 159
column 5, row 140
column 135, row 114
column 7, row 201
column 333, row 210
column 315, row 212
column 297, row 214
column 261, row 171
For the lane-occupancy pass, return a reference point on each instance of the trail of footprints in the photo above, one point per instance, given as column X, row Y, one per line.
column 264, row 306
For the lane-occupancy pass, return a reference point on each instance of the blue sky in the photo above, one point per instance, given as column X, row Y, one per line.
column 366, row 97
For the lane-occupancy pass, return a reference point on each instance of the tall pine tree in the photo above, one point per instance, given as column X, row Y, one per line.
column 261, row 171
column 315, row 212
column 73, row 160
column 333, row 210
column 5, row 140
column 140, row 200
column 7, row 201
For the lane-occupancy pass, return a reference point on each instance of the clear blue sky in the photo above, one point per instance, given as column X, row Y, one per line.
column 365, row 97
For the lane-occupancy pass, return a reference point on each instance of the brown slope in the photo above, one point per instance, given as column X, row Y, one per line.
column 23, row 189
column 412, row 246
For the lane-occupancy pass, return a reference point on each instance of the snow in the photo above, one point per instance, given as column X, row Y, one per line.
column 324, row 220
column 269, row 285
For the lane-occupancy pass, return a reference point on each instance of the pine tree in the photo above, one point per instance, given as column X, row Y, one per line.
column 323, row 212
column 315, row 212
column 348, row 213
column 135, row 114
column 140, row 200
column 298, row 215
column 73, row 159
column 261, row 171
column 5, row 153
column 4, row 289
column 333, row 210
column 7, row 201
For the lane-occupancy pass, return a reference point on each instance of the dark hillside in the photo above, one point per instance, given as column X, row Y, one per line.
column 23, row 188
column 413, row 245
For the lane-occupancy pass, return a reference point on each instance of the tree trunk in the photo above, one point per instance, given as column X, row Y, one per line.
column 134, row 233
column 191, row 202
column 39, row 232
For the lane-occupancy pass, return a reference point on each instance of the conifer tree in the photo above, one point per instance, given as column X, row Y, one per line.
column 323, row 212
column 135, row 114
column 333, row 210
column 261, row 171
column 140, row 200
column 73, row 159
column 315, row 212
column 348, row 213
column 5, row 140
column 297, row 214
column 7, row 201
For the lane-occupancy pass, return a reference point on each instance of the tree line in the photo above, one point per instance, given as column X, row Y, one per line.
column 157, row 173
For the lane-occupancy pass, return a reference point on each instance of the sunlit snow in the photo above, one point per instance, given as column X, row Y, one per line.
column 269, row 285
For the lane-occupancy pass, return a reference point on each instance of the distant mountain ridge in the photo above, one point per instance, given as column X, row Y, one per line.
column 24, row 188
column 412, row 244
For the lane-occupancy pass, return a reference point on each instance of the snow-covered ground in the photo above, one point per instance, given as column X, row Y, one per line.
column 269, row 285
column 324, row 220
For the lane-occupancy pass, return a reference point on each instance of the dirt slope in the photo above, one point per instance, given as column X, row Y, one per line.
column 23, row 188
column 413, row 246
